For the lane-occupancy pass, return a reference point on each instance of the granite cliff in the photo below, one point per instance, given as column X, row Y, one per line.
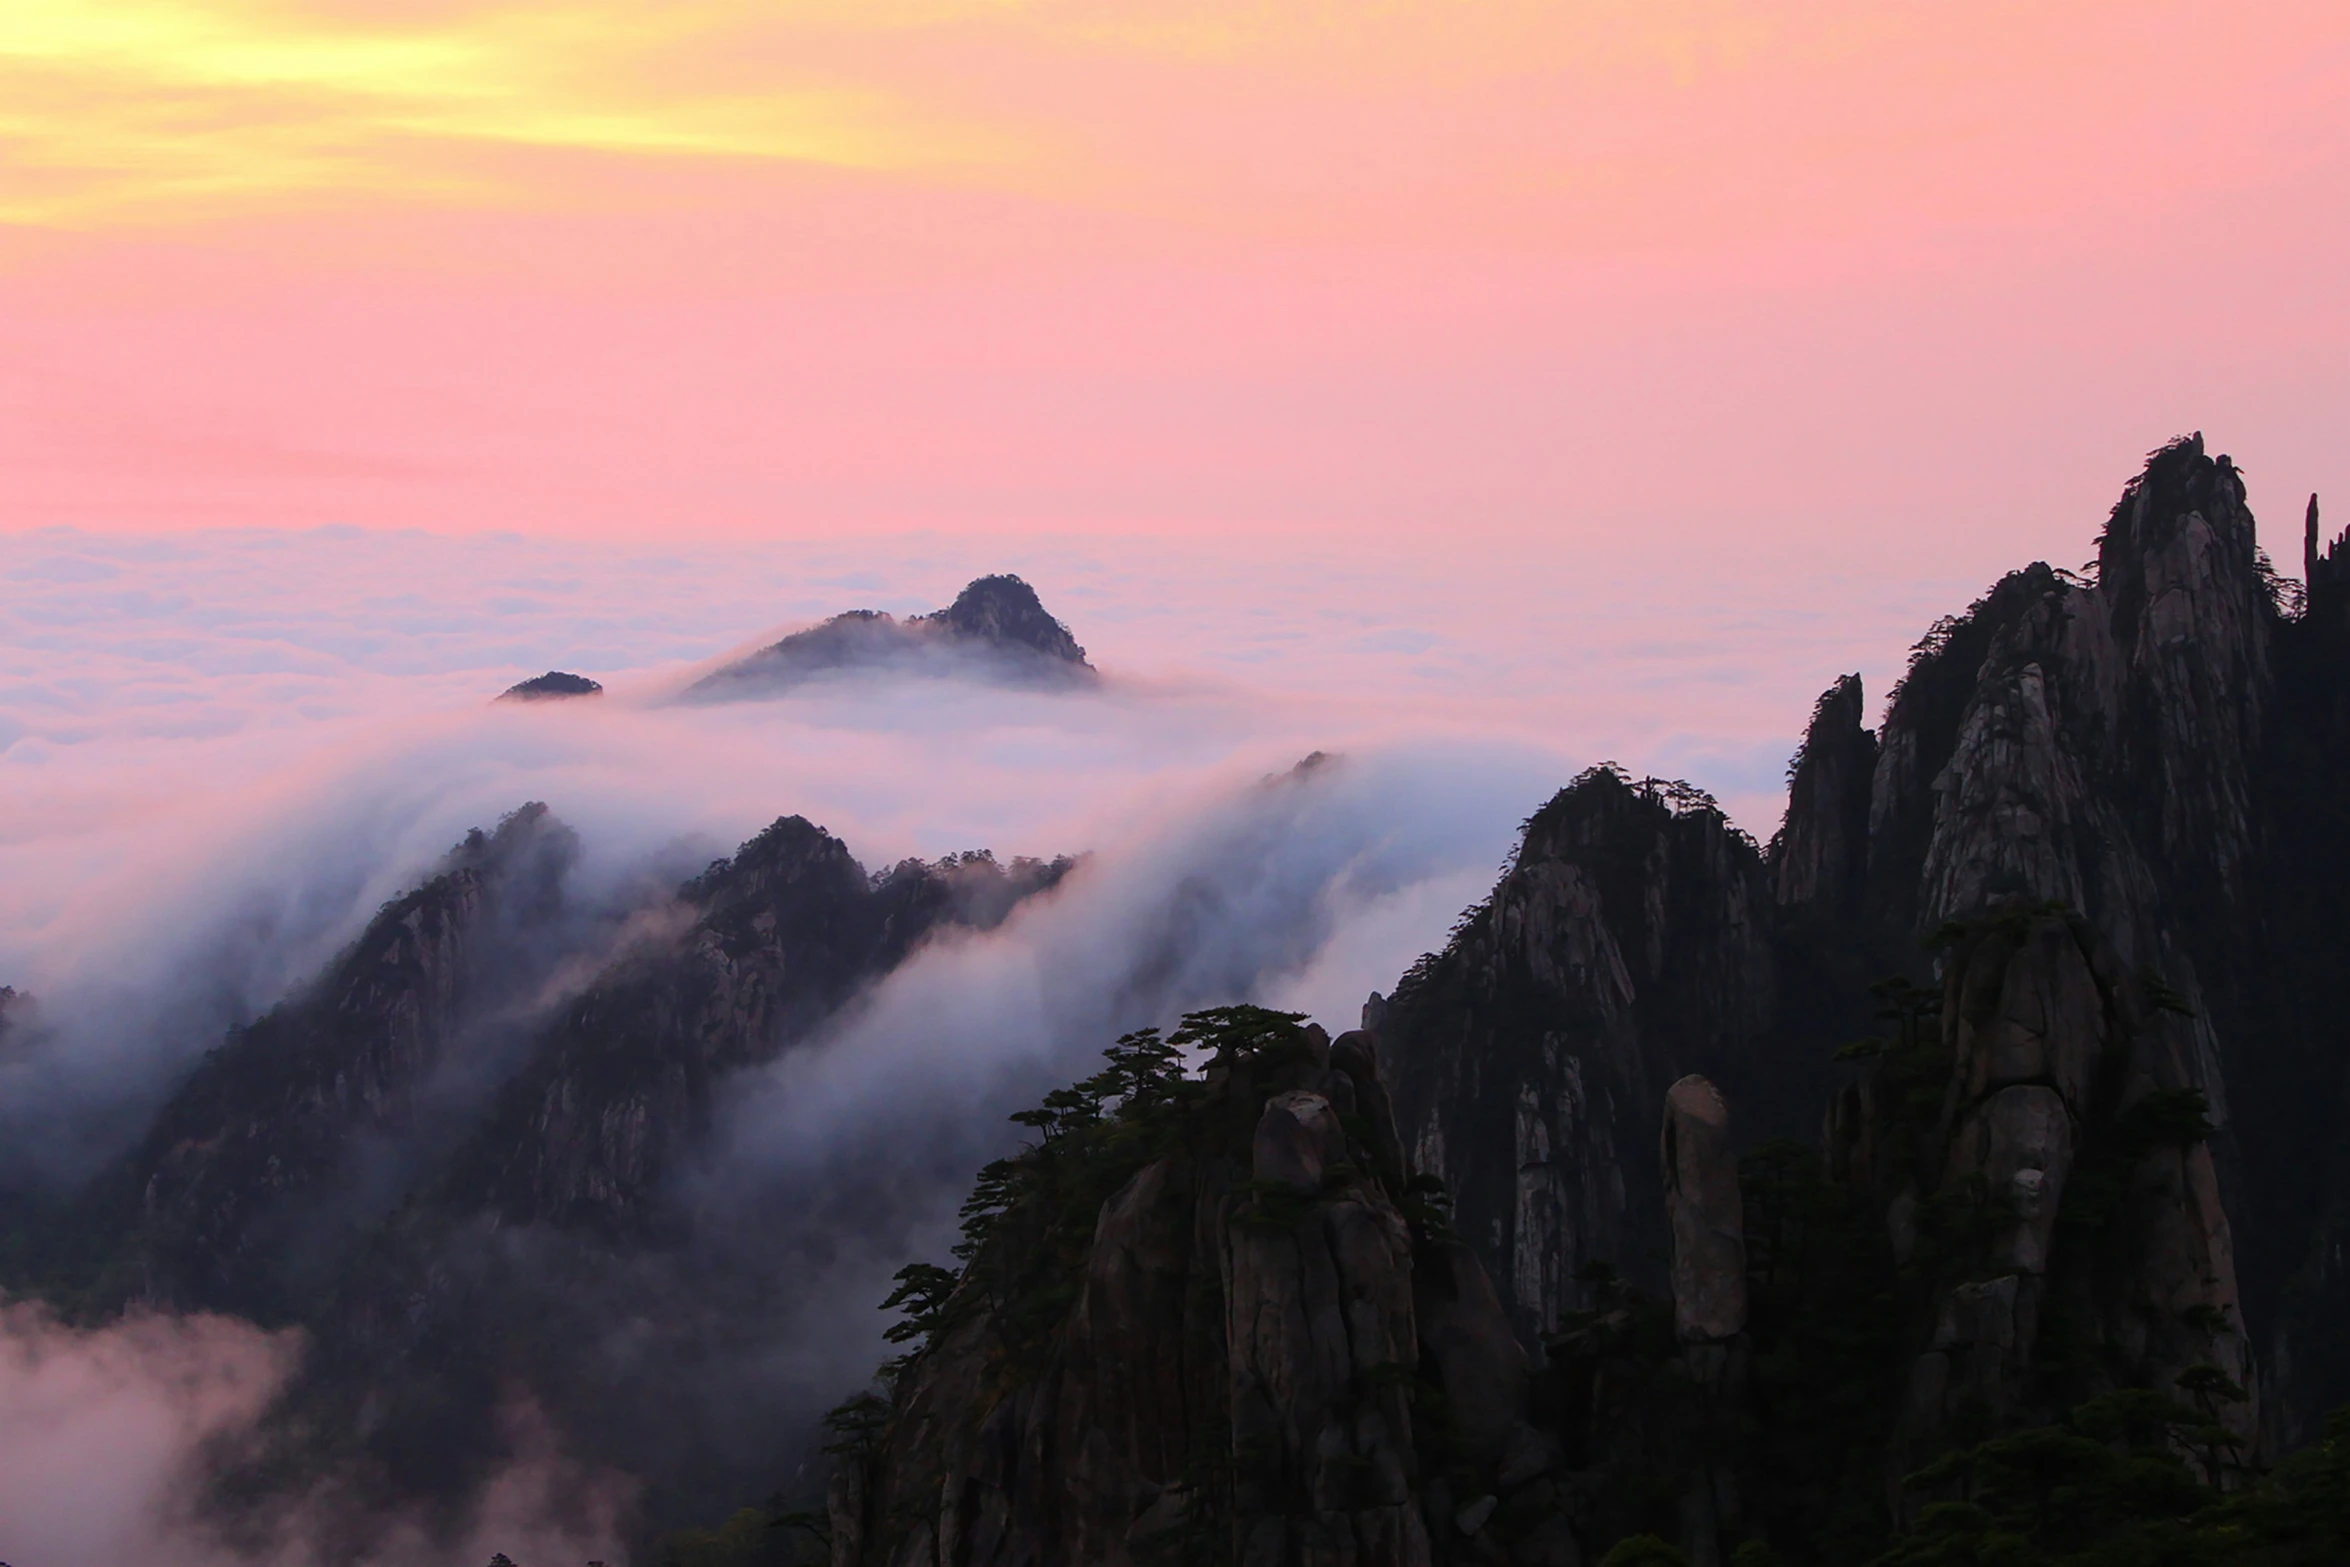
column 1985, row 1126
column 2157, row 748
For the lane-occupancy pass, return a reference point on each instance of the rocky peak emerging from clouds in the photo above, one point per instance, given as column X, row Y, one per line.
column 554, row 685
column 997, row 630
column 1004, row 612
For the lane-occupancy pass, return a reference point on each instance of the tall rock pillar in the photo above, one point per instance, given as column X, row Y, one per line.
column 1708, row 1221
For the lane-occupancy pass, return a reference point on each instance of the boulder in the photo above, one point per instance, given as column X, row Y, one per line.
column 1707, row 1214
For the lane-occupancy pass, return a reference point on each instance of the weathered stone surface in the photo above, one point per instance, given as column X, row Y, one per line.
column 2152, row 1283
column 1820, row 857
column 1626, row 946
column 1261, row 1301
column 1297, row 1138
column 1705, row 1211
column 1466, row 1332
column 2033, row 1017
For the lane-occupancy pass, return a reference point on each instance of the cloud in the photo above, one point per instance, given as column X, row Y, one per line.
column 101, row 1430
column 236, row 747
column 107, row 1433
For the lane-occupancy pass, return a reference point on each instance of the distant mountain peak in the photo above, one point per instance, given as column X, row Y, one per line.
column 554, row 685
column 1005, row 611
column 997, row 629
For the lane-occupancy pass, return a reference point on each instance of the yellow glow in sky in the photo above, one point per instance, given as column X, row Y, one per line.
column 144, row 109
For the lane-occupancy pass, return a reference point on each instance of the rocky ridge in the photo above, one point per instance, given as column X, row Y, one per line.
column 2078, row 1190
column 453, row 1130
column 996, row 629
column 2155, row 748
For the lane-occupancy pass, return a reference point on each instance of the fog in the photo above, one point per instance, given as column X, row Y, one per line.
column 156, row 890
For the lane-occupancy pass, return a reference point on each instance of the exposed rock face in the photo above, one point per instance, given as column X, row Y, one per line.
column 996, row 629
column 1821, row 856
column 1320, row 1335
column 2072, row 1199
column 2161, row 749
column 554, row 685
column 1706, row 1215
column 1625, row 947
column 1235, row 1366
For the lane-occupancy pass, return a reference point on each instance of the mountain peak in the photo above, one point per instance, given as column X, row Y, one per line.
column 2178, row 483
column 996, row 629
column 1005, row 611
column 554, row 685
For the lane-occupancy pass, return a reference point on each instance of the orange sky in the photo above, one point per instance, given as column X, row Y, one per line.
column 1819, row 276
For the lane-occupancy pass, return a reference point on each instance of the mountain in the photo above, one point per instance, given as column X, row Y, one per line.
column 1222, row 1362
column 481, row 1115
column 996, row 629
column 554, row 685
column 1982, row 1132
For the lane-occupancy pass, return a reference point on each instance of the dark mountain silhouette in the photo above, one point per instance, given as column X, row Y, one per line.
column 443, row 1138
column 552, row 685
column 2025, row 1021
column 996, row 630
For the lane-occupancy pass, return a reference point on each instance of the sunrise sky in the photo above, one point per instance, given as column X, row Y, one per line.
column 1640, row 363
column 1411, row 272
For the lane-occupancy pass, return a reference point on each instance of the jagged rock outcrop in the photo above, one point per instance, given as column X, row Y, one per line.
column 2065, row 1201
column 554, row 685
column 559, row 1204
column 1820, row 858
column 1625, row 946
column 1705, row 1213
column 996, row 629
column 781, row 936
column 2327, row 569
column 1234, row 1370
column 1002, row 611
column 2161, row 748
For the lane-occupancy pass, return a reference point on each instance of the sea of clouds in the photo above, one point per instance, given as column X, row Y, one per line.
column 220, row 753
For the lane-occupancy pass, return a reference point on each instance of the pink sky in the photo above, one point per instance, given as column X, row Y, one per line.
column 1823, row 278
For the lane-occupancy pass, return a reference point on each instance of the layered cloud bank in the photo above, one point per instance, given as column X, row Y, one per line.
column 171, row 881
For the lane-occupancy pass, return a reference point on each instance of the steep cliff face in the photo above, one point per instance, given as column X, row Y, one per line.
column 1625, row 946
column 2161, row 749
column 1260, row 1346
column 280, row 1134
column 2060, row 1213
column 1820, row 859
